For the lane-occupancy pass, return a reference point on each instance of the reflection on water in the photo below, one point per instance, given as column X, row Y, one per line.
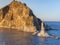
column 14, row 37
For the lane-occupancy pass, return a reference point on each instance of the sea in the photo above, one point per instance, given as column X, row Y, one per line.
column 15, row 37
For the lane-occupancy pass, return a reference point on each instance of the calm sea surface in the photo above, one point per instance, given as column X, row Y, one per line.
column 14, row 37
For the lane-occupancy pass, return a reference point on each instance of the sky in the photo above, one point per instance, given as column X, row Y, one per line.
column 47, row 10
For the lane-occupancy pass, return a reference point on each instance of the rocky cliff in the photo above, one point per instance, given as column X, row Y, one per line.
column 19, row 16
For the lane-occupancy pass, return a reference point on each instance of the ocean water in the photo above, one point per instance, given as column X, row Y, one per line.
column 15, row 37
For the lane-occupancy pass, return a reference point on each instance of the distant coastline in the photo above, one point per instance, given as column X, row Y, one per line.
column 52, row 21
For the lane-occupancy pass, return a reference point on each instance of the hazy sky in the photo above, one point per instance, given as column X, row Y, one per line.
column 49, row 10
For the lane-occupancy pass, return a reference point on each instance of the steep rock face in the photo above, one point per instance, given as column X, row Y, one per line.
column 18, row 15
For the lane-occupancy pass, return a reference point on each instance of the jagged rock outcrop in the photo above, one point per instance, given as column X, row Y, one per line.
column 18, row 15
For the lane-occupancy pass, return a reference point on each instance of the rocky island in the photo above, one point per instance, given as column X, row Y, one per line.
column 18, row 15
